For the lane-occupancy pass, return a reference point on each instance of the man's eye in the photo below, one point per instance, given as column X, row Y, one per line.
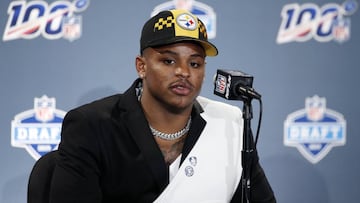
column 168, row 61
column 194, row 65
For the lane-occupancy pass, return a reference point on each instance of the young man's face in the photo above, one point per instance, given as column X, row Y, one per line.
column 172, row 74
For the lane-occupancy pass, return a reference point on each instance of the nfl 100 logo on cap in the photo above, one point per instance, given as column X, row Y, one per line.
column 315, row 129
column 38, row 130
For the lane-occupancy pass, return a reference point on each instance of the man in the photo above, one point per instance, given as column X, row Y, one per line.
column 159, row 141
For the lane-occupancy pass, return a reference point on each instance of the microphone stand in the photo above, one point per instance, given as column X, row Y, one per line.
column 248, row 150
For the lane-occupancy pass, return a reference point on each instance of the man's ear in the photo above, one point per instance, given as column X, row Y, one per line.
column 140, row 66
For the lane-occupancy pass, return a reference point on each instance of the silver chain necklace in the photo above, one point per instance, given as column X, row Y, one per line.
column 171, row 136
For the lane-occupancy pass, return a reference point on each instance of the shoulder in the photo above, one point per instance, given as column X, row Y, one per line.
column 219, row 109
column 101, row 107
column 100, row 104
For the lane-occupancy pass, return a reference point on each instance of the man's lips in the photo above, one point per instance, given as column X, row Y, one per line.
column 181, row 88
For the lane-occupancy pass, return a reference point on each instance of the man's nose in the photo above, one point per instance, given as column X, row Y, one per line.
column 183, row 71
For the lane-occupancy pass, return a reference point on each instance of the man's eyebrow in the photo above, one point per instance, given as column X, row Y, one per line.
column 166, row 51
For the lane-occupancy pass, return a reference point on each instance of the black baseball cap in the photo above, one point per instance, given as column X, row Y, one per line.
column 172, row 26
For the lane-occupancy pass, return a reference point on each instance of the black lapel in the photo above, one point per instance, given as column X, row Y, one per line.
column 197, row 126
column 139, row 130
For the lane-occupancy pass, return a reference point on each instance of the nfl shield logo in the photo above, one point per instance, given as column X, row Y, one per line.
column 220, row 84
column 315, row 108
column 341, row 30
column 72, row 27
column 44, row 108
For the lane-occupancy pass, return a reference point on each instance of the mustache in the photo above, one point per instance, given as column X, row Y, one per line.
column 183, row 83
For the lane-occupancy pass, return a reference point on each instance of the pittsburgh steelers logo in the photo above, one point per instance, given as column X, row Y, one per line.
column 186, row 21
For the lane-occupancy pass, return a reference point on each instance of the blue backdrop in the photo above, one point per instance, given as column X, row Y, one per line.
column 294, row 49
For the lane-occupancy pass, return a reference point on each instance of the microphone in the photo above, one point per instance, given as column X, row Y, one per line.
column 234, row 85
